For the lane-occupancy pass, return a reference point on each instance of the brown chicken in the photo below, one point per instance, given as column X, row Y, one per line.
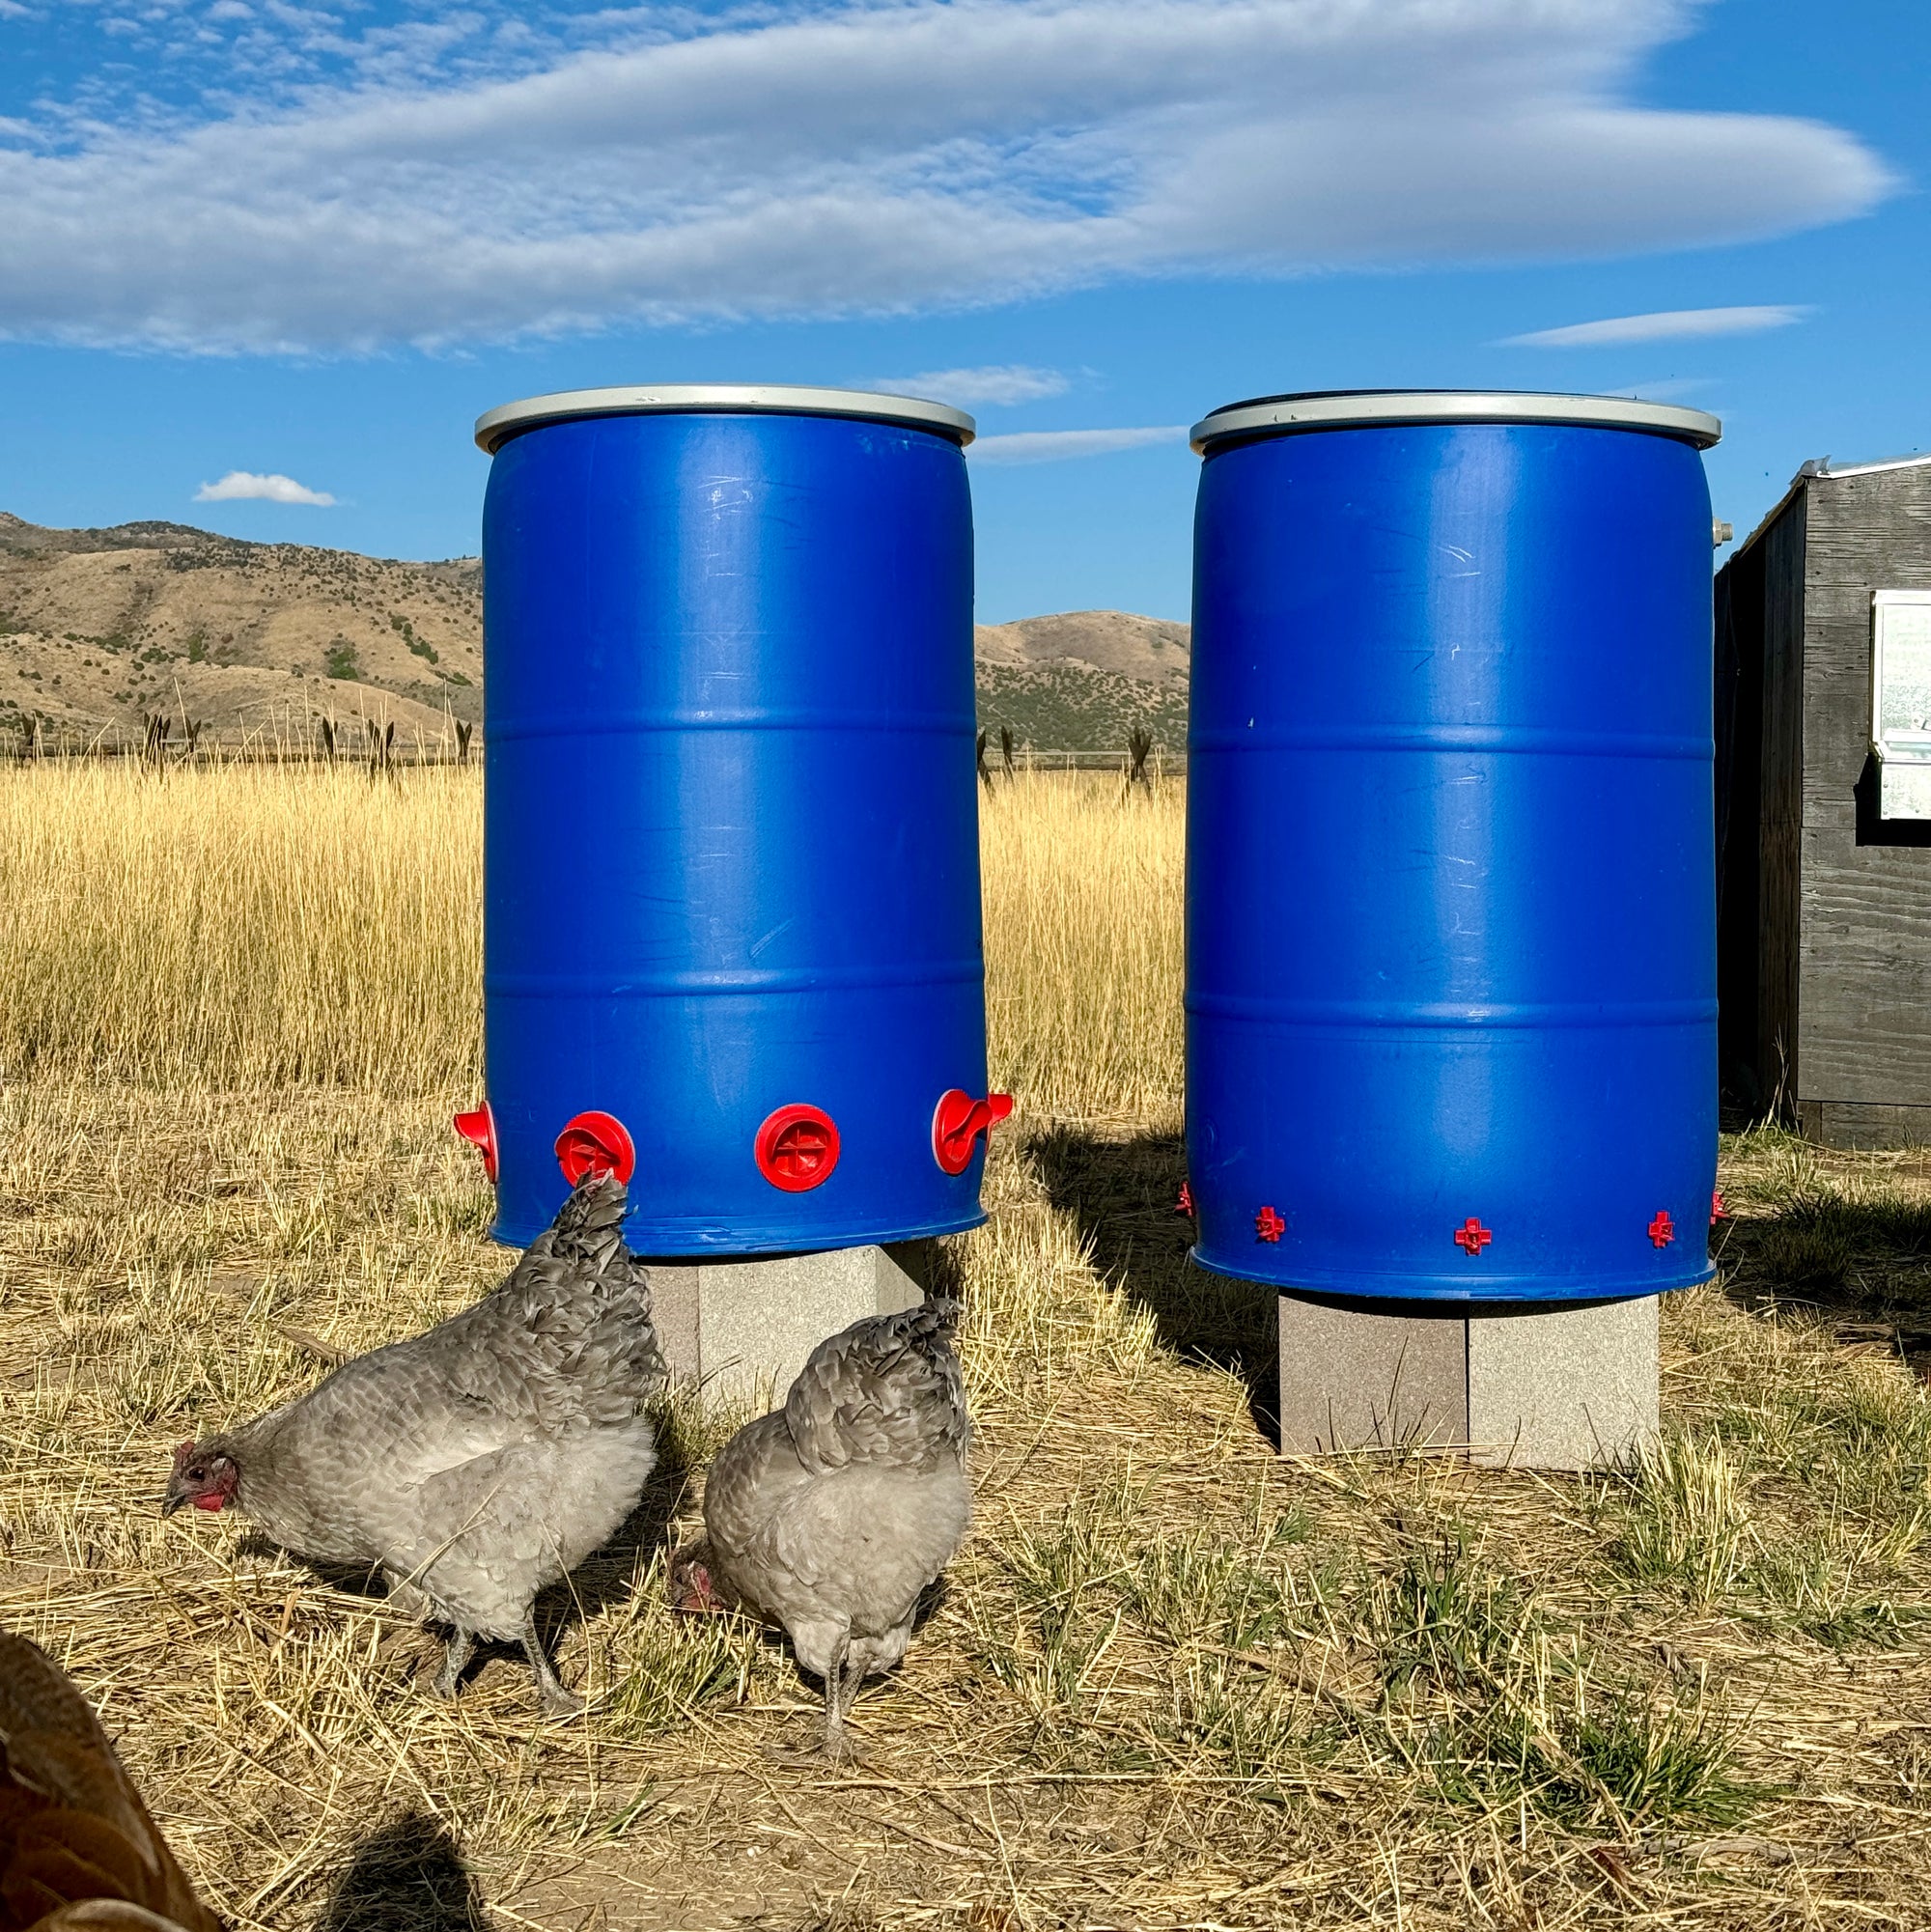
column 77, row 1847
column 832, row 1515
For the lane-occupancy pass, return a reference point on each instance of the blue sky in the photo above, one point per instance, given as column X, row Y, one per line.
column 301, row 247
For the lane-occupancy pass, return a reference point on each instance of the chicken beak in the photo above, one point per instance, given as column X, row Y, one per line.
column 172, row 1501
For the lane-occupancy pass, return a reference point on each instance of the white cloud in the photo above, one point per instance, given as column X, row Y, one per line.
column 1058, row 445
column 241, row 485
column 874, row 155
column 970, row 388
column 1666, row 325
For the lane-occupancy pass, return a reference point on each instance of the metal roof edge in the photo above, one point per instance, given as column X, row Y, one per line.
column 1827, row 468
column 1821, row 469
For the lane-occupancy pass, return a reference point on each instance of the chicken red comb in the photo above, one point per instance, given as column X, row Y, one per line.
column 184, row 1453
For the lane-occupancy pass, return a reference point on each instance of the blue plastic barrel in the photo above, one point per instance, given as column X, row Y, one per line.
column 731, row 921
column 1451, row 1012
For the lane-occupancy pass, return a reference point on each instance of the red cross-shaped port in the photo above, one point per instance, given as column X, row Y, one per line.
column 799, row 1152
column 1185, row 1204
column 1661, row 1230
column 596, row 1143
column 1471, row 1237
column 797, row 1148
column 1718, row 1211
column 1269, row 1225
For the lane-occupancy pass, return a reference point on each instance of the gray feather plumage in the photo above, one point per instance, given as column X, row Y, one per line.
column 833, row 1514
column 486, row 1459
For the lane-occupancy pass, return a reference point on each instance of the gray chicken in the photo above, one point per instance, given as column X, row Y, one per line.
column 831, row 1515
column 477, row 1463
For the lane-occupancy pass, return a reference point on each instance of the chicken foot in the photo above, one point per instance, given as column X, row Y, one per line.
column 555, row 1699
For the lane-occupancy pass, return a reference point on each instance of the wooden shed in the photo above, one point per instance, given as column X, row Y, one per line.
column 1824, row 807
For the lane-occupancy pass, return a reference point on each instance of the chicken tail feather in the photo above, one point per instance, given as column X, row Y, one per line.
column 589, row 1226
column 886, row 1390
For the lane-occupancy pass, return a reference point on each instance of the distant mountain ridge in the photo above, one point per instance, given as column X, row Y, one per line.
column 1082, row 680
column 101, row 627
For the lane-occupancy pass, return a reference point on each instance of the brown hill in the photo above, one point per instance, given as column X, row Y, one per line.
column 98, row 628
column 1146, row 649
column 1083, row 679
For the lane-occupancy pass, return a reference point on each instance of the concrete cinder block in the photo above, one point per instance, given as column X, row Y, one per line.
column 1555, row 1387
column 1381, row 1375
column 742, row 1329
column 1564, row 1387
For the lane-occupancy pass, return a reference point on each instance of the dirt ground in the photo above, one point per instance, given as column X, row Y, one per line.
column 1172, row 1682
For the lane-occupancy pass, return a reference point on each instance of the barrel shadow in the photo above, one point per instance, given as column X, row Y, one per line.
column 407, row 1877
column 1862, row 1266
column 1124, row 1195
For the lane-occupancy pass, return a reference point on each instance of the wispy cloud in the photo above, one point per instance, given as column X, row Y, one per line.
column 1059, row 445
column 998, row 385
column 244, row 485
column 447, row 180
column 1665, row 326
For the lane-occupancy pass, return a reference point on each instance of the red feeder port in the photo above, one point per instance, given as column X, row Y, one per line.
column 596, row 1143
column 958, row 1122
column 1718, row 1211
column 1185, row 1204
column 1661, row 1230
column 1471, row 1237
column 477, row 1127
column 1269, row 1225
column 797, row 1148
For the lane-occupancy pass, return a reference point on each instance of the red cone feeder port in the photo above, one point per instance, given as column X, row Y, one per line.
column 596, row 1143
column 958, row 1123
column 477, row 1127
column 797, row 1148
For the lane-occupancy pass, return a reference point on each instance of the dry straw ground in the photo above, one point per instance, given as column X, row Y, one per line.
column 1173, row 1682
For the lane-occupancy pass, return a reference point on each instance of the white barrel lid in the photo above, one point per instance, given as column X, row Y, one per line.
column 499, row 424
column 1361, row 408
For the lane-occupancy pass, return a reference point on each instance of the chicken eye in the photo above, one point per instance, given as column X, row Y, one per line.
column 196, row 1475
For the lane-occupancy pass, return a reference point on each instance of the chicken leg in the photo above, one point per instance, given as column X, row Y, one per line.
column 454, row 1658
column 557, row 1700
column 836, row 1701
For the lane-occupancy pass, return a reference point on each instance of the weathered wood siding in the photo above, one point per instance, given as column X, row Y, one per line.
column 1862, row 973
column 1780, row 804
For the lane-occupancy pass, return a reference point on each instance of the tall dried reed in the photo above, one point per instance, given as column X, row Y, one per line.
column 253, row 926
column 1082, row 894
column 262, row 926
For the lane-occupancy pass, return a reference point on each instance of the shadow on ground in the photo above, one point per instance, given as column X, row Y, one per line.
column 408, row 1877
column 1123, row 1196
column 1863, row 1264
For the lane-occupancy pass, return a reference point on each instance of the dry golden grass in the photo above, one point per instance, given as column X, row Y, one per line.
column 247, row 927
column 259, row 926
column 1172, row 1682
column 1082, row 890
